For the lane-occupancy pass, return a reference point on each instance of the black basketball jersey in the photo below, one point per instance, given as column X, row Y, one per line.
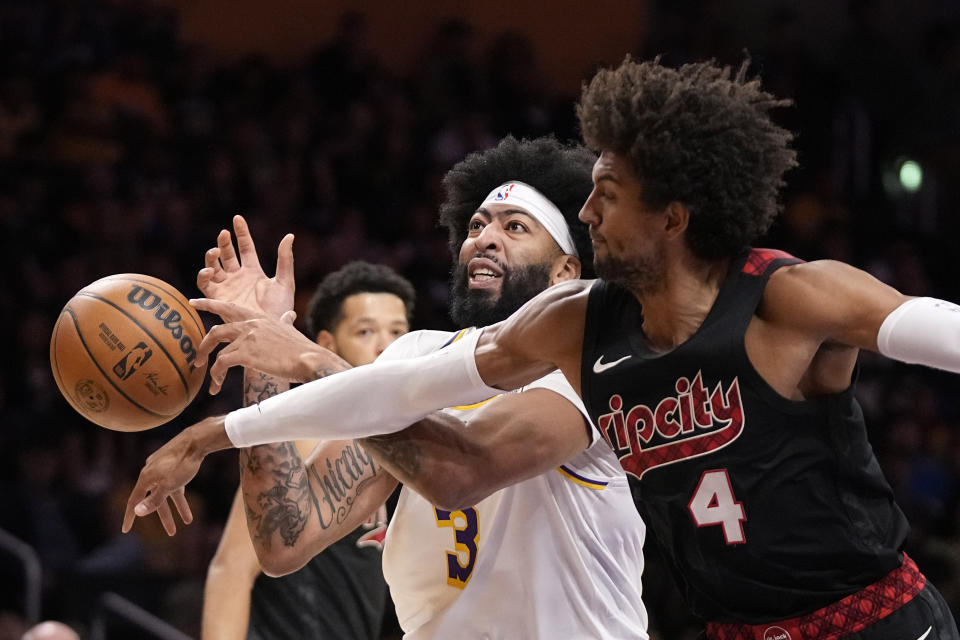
column 340, row 594
column 765, row 508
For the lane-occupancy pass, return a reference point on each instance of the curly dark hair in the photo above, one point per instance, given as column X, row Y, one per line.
column 698, row 135
column 325, row 310
column 560, row 172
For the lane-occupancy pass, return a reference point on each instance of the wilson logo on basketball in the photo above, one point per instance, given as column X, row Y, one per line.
column 693, row 423
column 148, row 301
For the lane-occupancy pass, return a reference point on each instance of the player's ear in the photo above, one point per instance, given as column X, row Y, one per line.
column 565, row 267
column 677, row 218
column 325, row 339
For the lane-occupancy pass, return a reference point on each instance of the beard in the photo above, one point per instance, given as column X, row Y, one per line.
column 481, row 307
column 638, row 274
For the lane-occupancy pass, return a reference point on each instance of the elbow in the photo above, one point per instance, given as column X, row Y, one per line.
column 277, row 565
column 456, row 491
column 445, row 499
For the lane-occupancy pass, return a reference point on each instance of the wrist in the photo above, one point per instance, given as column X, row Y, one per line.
column 319, row 363
column 207, row 436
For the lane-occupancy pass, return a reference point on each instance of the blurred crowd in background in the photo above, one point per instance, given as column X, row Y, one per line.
column 124, row 149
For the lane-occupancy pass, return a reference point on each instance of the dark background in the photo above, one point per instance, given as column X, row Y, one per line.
column 131, row 132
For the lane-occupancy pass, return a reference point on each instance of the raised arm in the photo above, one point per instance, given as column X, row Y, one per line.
column 235, row 277
column 817, row 315
column 831, row 302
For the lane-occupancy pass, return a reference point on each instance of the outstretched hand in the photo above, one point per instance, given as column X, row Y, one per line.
column 235, row 275
column 273, row 347
column 169, row 469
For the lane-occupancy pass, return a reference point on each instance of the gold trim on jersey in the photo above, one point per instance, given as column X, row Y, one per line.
column 467, row 407
column 572, row 476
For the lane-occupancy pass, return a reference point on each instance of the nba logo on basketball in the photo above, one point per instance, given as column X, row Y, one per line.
column 776, row 633
column 132, row 361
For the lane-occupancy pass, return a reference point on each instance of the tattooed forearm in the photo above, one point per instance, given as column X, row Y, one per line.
column 285, row 506
column 339, row 482
column 288, row 501
column 322, row 371
column 397, row 452
column 257, row 387
column 282, row 494
column 324, row 363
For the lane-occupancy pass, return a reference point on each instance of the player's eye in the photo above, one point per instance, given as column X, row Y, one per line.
column 516, row 227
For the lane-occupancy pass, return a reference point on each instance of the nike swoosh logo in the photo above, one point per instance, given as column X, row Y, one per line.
column 926, row 633
column 599, row 366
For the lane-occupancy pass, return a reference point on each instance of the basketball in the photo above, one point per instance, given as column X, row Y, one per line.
column 123, row 351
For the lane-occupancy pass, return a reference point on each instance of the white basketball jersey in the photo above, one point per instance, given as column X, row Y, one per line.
column 556, row 556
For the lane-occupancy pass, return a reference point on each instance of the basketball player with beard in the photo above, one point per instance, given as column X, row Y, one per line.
column 480, row 545
column 721, row 374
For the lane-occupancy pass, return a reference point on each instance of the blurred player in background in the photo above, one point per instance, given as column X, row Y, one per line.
column 356, row 312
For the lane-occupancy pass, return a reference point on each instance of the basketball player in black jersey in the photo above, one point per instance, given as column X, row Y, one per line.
column 720, row 374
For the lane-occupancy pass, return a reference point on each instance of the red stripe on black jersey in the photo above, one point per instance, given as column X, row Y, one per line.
column 760, row 259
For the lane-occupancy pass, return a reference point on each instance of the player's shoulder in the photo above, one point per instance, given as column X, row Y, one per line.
column 823, row 293
column 794, row 283
column 815, row 272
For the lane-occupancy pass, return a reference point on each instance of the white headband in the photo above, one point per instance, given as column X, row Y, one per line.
column 537, row 205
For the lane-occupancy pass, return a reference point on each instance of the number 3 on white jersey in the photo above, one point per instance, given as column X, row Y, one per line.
column 460, row 563
column 713, row 503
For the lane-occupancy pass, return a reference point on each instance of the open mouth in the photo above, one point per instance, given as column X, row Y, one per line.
column 483, row 273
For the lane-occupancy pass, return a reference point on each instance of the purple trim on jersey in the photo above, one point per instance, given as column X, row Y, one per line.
column 456, row 336
column 583, row 478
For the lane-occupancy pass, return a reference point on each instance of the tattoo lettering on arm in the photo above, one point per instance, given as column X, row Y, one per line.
column 281, row 494
column 339, row 482
column 288, row 493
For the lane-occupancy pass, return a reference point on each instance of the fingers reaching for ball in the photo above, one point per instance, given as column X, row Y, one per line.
column 245, row 246
column 228, row 256
column 212, row 272
column 228, row 311
column 272, row 346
